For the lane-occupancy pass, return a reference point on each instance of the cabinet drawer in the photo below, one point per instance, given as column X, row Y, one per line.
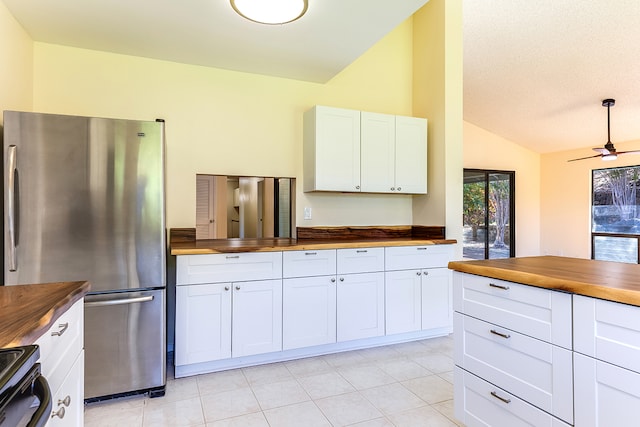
column 607, row 331
column 409, row 257
column 61, row 344
column 360, row 260
column 68, row 400
column 537, row 312
column 479, row 403
column 535, row 371
column 309, row 263
column 606, row 395
column 232, row 267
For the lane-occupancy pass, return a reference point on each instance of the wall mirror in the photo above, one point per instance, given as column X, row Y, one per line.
column 244, row 206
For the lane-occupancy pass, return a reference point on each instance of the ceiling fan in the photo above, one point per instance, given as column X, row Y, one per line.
column 608, row 152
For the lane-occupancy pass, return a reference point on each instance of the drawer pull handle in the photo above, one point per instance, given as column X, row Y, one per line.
column 233, row 257
column 311, row 253
column 494, row 394
column 493, row 285
column 500, row 334
column 63, row 327
column 421, row 249
column 66, row 401
column 59, row 413
column 364, row 251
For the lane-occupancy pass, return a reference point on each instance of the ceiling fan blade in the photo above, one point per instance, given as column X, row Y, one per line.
column 602, row 151
column 629, row 152
column 583, row 158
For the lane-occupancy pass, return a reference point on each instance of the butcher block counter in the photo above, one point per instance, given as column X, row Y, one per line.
column 27, row 311
column 183, row 241
column 613, row 281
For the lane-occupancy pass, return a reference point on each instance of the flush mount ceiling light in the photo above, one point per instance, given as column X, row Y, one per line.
column 272, row 12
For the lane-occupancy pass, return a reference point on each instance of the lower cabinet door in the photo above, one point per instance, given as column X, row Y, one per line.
column 536, row 371
column 402, row 296
column 257, row 317
column 67, row 408
column 605, row 395
column 308, row 311
column 479, row 403
column 203, row 323
column 437, row 298
column 360, row 306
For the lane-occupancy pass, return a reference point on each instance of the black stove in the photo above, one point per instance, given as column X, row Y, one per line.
column 25, row 398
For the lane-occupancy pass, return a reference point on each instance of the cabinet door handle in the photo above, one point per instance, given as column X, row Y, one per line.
column 494, row 394
column 59, row 413
column 418, row 273
column 226, row 288
column 399, row 188
column 393, row 189
column 333, row 280
column 63, row 328
column 342, row 279
column 237, row 288
column 66, row 401
column 357, row 187
column 504, row 288
column 500, row 334
column 426, row 273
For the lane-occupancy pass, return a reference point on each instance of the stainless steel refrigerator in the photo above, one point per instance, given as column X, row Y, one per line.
column 84, row 200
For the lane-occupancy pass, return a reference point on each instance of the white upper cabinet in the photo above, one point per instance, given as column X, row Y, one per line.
column 411, row 155
column 354, row 151
column 331, row 149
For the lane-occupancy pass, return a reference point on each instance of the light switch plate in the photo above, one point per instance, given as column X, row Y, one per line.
column 307, row 213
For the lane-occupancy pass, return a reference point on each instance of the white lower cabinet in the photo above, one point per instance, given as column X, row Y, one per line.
column 203, row 323
column 360, row 306
column 308, row 311
column 605, row 394
column 403, row 296
column 257, row 317
column 222, row 320
column 480, row 403
column 437, row 299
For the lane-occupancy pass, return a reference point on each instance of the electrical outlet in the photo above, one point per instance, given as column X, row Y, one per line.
column 307, row 213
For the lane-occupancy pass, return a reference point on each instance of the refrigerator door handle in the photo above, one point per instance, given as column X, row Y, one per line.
column 12, row 160
column 119, row 301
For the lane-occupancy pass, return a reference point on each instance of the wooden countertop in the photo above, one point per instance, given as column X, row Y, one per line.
column 27, row 311
column 218, row 246
column 613, row 281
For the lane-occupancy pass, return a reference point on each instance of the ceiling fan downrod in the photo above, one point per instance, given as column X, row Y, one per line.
column 608, row 103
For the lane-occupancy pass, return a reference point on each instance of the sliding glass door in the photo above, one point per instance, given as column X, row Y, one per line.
column 488, row 214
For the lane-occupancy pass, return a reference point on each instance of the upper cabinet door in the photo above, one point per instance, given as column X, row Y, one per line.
column 377, row 152
column 331, row 149
column 411, row 155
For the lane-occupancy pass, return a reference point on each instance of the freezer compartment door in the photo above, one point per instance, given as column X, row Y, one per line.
column 125, row 347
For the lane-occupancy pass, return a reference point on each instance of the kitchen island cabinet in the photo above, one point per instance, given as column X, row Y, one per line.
column 51, row 315
column 585, row 311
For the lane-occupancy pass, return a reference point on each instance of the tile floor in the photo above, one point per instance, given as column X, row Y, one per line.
column 401, row 385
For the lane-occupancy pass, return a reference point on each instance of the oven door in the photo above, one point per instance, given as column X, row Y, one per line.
column 28, row 403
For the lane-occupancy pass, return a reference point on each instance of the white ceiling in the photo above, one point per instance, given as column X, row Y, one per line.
column 535, row 72
column 330, row 36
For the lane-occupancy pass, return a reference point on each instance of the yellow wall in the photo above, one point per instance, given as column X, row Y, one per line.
column 225, row 122
column 486, row 150
column 16, row 71
column 566, row 200
column 437, row 82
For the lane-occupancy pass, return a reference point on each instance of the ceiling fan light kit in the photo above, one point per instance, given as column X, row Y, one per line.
column 271, row 12
column 608, row 152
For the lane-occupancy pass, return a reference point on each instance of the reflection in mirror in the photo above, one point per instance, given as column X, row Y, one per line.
column 244, row 207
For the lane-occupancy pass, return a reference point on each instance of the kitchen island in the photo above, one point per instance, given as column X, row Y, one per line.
column 50, row 315
column 546, row 341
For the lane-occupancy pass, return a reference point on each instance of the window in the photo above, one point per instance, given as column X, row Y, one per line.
column 488, row 214
column 615, row 217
